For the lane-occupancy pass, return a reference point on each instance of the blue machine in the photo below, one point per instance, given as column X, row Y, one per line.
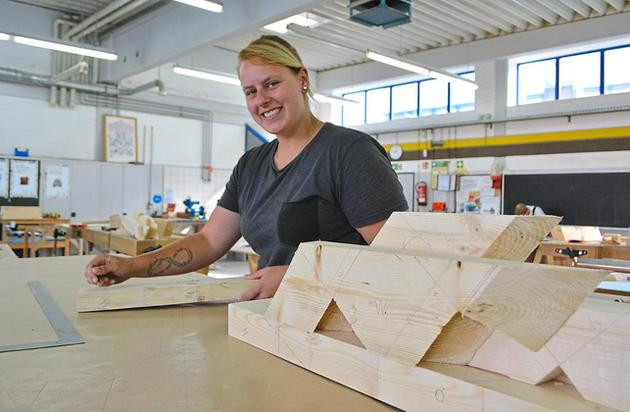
column 194, row 210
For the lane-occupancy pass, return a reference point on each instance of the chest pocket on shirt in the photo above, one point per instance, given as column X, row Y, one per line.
column 298, row 221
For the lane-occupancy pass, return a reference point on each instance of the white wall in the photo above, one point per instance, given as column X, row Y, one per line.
column 77, row 134
column 47, row 131
column 176, row 141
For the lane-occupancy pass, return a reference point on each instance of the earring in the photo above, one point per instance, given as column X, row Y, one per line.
column 305, row 87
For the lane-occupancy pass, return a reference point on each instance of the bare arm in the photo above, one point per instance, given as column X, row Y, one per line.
column 192, row 252
column 185, row 255
column 369, row 232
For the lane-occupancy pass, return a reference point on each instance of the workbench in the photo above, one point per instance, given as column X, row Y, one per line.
column 29, row 226
column 546, row 252
column 176, row 358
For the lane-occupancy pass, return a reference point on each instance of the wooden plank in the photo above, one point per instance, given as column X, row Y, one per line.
column 428, row 386
column 458, row 341
column 398, row 301
column 591, row 348
column 20, row 212
column 502, row 236
column 192, row 288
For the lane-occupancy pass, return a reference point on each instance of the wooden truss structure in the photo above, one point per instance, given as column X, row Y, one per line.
column 439, row 314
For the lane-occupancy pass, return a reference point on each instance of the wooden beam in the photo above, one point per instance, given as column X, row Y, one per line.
column 501, row 237
column 398, row 301
column 190, row 288
column 428, row 386
column 591, row 349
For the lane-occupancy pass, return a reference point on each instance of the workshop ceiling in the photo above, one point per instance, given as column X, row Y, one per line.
column 75, row 7
column 434, row 23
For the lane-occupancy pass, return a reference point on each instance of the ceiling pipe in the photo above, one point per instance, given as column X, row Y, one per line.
column 81, row 68
column 94, row 17
column 155, row 83
column 17, row 76
column 105, row 18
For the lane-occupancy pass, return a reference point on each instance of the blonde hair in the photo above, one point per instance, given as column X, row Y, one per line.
column 520, row 209
column 276, row 51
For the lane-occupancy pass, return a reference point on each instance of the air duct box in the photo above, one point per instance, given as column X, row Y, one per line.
column 384, row 13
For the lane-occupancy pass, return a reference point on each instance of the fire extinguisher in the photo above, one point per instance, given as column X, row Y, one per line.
column 421, row 193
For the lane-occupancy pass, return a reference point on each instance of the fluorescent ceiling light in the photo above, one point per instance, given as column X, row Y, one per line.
column 202, row 74
column 396, row 63
column 300, row 19
column 213, row 6
column 4, row 36
column 66, row 47
column 333, row 99
column 415, row 68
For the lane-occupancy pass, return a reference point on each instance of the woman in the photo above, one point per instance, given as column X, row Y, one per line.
column 315, row 181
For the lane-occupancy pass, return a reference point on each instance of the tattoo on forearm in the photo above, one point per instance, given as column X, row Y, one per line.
column 180, row 258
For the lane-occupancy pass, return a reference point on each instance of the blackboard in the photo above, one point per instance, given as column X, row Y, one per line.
column 589, row 199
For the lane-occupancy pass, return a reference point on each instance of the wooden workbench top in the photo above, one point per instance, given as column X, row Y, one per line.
column 163, row 359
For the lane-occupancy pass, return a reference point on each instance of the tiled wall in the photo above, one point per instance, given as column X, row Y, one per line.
column 182, row 182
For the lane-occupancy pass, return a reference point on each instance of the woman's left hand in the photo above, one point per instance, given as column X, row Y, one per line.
column 269, row 279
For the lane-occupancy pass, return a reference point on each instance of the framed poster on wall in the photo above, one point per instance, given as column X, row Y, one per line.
column 57, row 180
column 24, row 179
column 121, row 139
column 4, row 178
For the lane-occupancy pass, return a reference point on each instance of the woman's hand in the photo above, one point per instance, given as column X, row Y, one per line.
column 269, row 279
column 106, row 270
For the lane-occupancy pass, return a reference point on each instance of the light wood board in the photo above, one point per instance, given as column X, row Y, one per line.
column 501, row 237
column 398, row 301
column 174, row 290
column 592, row 349
column 426, row 387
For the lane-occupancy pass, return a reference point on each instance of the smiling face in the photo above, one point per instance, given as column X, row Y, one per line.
column 275, row 96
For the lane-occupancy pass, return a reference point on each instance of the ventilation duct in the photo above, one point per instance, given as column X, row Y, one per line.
column 384, row 13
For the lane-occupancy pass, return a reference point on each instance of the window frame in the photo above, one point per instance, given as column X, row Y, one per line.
column 391, row 86
column 602, row 66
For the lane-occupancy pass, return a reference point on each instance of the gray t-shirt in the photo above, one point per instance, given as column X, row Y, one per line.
column 341, row 180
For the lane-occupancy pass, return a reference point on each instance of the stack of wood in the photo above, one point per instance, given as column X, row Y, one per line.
column 440, row 313
column 576, row 233
column 141, row 226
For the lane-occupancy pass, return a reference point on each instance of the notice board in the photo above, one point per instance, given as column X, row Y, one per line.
column 590, row 199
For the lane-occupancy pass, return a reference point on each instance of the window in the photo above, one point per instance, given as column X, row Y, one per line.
column 536, row 82
column 462, row 97
column 433, row 97
column 408, row 100
column 377, row 106
column 405, row 101
column 616, row 70
column 352, row 113
column 574, row 76
column 579, row 75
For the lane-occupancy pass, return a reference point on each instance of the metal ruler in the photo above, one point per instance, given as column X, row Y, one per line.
column 66, row 333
